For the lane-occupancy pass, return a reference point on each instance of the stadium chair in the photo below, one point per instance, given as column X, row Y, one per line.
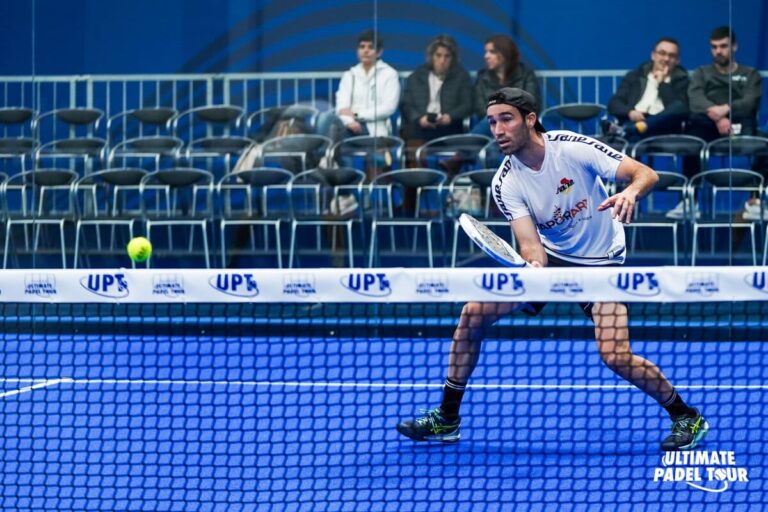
column 277, row 121
column 178, row 197
column 81, row 125
column 582, row 118
column 297, row 153
column 742, row 151
column 721, row 193
column 651, row 212
column 38, row 198
column 683, row 154
column 244, row 198
column 317, row 198
column 143, row 133
column 99, row 199
column 212, row 133
column 16, row 136
column 372, row 155
column 453, row 153
column 388, row 192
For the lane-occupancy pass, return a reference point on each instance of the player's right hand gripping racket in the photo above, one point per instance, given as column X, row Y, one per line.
column 492, row 244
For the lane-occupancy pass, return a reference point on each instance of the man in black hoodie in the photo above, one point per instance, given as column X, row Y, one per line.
column 653, row 98
column 437, row 95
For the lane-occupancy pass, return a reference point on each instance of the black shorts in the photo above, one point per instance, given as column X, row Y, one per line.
column 534, row 308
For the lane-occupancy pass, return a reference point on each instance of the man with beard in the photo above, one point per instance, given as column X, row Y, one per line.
column 724, row 96
column 542, row 176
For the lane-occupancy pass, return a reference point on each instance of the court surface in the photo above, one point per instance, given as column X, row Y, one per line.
column 150, row 422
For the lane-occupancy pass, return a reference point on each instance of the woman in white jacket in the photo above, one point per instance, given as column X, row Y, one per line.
column 367, row 97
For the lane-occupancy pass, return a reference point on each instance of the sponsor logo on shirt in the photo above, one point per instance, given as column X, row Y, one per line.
column 565, row 187
column 559, row 216
column 609, row 151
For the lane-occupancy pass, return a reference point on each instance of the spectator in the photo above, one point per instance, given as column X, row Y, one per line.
column 367, row 96
column 502, row 69
column 653, row 98
column 437, row 95
column 724, row 96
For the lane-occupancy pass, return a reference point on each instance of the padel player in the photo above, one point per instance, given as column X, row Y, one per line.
column 550, row 187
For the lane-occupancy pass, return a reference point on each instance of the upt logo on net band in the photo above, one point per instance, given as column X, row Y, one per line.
column 235, row 284
column 644, row 284
column 705, row 471
column 501, row 283
column 106, row 285
column 369, row 284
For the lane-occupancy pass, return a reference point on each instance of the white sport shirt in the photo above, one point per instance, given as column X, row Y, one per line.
column 562, row 198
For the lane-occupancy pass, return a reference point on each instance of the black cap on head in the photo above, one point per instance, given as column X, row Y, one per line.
column 519, row 98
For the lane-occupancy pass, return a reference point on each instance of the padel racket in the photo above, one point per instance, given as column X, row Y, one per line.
column 492, row 244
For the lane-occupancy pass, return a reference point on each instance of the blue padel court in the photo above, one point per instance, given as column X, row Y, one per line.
column 207, row 422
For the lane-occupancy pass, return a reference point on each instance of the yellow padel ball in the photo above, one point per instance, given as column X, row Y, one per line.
column 139, row 249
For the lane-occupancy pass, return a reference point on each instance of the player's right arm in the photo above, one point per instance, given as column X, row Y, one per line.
column 528, row 241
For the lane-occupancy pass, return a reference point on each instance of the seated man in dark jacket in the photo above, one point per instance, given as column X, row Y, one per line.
column 437, row 95
column 653, row 98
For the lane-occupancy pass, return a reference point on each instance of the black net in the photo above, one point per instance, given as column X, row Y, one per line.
column 259, row 406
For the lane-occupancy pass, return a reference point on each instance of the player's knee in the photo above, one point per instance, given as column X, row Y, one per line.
column 476, row 314
column 616, row 360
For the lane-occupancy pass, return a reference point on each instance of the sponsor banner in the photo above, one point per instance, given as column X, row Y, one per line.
column 621, row 284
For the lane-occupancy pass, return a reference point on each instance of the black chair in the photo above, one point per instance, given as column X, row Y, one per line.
column 317, row 199
column 742, row 151
column 387, row 194
column 43, row 197
column 297, row 153
column 179, row 197
column 17, row 141
column 81, row 143
column 720, row 194
column 245, row 198
column 213, row 133
column 453, row 153
column 579, row 117
column 143, row 133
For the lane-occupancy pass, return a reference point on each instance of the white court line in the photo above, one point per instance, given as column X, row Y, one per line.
column 40, row 383
column 26, row 389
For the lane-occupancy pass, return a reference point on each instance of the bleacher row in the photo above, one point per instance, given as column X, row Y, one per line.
column 179, row 167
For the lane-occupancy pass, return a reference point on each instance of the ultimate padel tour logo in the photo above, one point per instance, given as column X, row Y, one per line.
column 369, row 284
column 169, row 285
column 704, row 284
column 507, row 284
column 705, row 471
column 42, row 285
column 434, row 285
column 299, row 285
column 106, row 284
column 757, row 280
column 644, row 284
column 235, row 284
column 566, row 284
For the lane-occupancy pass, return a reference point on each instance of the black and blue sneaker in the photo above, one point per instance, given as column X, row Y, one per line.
column 431, row 427
column 687, row 431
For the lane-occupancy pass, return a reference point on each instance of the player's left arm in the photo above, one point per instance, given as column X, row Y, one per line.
column 641, row 180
